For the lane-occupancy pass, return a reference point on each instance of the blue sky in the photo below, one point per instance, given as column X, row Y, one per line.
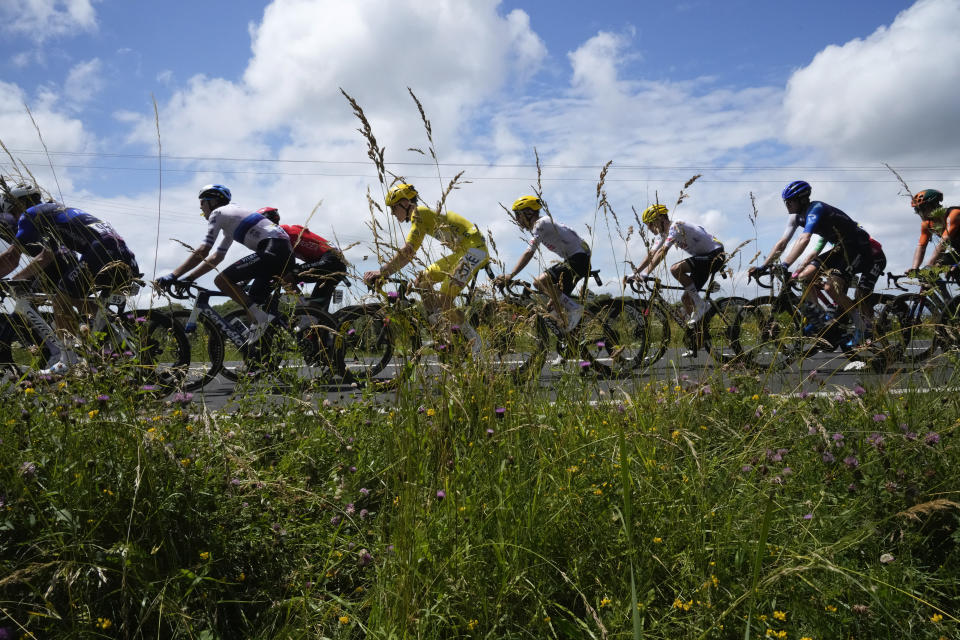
column 749, row 94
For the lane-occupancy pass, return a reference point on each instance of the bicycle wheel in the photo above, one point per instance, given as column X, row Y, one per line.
column 206, row 350
column 596, row 342
column 512, row 336
column 363, row 340
column 236, row 361
column 769, row 335
column 149, row 347
column 720, row 329
column 656, row 319
column 908, row 328
column 627, row 327
column 21, row 351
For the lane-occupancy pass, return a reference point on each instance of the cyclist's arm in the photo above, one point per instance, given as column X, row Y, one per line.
column 522, row 262
column 206, row 265
column 798, row 248
column 782, row 243
column 9, row 259
column 950, row 229
column 36, row 266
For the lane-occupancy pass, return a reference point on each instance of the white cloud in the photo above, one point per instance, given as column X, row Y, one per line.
column 84, row 81
column 43, row 19
column 889, row 96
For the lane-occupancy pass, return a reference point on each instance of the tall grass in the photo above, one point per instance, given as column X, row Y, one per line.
column 472, row 507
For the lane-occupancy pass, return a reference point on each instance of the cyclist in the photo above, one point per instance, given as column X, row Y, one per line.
column 852, row 253
column 557, row 281
column 706, row 257
column 453, row 272
column 53, row 235
column 324, row 263
column 273, row 255
column 939, row 220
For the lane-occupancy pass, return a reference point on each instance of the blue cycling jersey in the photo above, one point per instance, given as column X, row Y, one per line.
column 834, row 226
column 54, row 225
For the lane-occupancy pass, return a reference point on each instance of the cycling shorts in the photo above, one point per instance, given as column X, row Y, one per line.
column 274, row 257
column 702, row 267
column 327, row 271
column 456, row 270
column 566, row 274
column 104, row 268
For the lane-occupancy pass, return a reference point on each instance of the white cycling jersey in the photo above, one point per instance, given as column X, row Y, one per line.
column 559, row 238
column 242, row 225
column 693, row 239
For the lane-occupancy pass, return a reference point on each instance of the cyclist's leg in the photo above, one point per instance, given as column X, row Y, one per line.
column 558, row 282
column 229, row 280
column 868, row 282
column 468, row 262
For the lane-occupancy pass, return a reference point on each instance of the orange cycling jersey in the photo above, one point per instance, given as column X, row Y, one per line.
column 945, row 223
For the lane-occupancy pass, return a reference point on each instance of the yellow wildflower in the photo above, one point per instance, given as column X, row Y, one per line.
column 344, row 619
column 604, row 602
column 204, row 555
column 780, row 615
column 830, row 608
column 472, row 624
column 29, row 391
column 93, row 413
column 936, row 617
column 431, row 413
column 657, row 540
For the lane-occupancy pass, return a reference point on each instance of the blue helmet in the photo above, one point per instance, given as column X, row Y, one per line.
column 795, row 189
column 216, row 192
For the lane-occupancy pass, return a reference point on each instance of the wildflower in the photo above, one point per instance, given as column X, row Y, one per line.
column 441, row 494
column 787, row 471
column 204, row 555
column 29, row 391
column 489, row 433
column 28, row 469
column 828, row 457
column 93, row 413
column 500, row 411
column 364, row 491
column 363, row 513
column 346, row 619
column 364, row 558
column 838, row 438
column 803, row 395
column 746, row 468
column 858, row 390
column 931, row 438
column 780, row 615
column 910, row 435
column 936, row 617
column 755, row 397
column 880, row 417
column 808, row 516
column 335, row 520
column 185, row 462
column 350, row 510
column 831, row 608
column 431, row 413
column 104, row 623
column 875, row 440
column 886, row 558
column 851, row 462
column 657, row 540
column 472, row 624
column 584, row 364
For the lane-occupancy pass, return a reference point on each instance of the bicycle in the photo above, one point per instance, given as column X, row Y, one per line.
column 917, row 324
column 642, row 324
column 297, row 342
column 522, row 331
column 773, row 332
column 147, row 346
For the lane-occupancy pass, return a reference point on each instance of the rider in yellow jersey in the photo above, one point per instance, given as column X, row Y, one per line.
column 452, row 271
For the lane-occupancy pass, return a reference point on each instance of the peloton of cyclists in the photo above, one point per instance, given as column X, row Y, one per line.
column 55, row 235
column 556, row 282
column 853, row 252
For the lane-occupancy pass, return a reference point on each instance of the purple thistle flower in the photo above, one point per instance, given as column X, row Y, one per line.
column 335, row 520
column 851, row 462
column 364, row 491
column 858, row 390
column 828, row 457
column 746, row 468
column 363, row 513
column 787, row 471
column 838, row 437
column 932, row 438
column 489, row 433
column 28, row 469
column 808, row 516
column 103, row 397
column 732, row 389
column 911, row 436
column 706, row 390
column 441, row 494
column 584, row 364
column 351, row 332
column 455, row 328
column 875, row 440
column 393, row 295
column 350, row 510
column 365, row 558
column 500, row 411
column 880, row 417
column 353, row 469
column 804, row 395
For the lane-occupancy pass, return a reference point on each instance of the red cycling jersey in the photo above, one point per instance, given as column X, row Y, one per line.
column 307, row 245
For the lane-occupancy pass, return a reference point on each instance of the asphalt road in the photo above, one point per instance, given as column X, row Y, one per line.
column 819, row 373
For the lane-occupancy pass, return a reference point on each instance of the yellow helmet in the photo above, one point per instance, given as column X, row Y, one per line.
column 527, row 202
column 653, row 212
column 398, row 192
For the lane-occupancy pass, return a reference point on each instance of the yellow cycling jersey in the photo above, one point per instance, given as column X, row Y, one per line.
column 452, row 230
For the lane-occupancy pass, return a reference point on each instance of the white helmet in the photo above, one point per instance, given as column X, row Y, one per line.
column 24, row 194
